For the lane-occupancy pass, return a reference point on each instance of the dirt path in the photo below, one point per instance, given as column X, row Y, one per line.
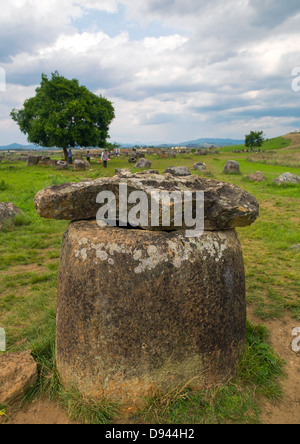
column 41, row 412
column 288, row 410
column 285, row 412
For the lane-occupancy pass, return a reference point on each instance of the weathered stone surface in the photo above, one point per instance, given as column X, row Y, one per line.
column 295, row 247
column 122, row 170
column 226, row 206
column 79, row 165
column 232, row 167
column 287, row 178
column 8, row 211
column 140, row 309
column 132, row 159
column 48, row 161
column 200, row 166
column 125, row 172
column 150, row 172
column 61, row 165
column 33, row 160
column 178, row 171
column 257, row 177
column 143, row 163
column 45, row 159
column 18, row 372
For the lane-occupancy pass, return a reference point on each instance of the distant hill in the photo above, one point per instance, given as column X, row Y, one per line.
column 204, row 142
column 212, row 141
column 17, row 146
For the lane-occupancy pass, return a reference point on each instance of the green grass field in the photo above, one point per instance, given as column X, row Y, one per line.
column 30, row 251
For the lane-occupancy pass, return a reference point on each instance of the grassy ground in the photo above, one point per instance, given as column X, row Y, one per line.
column 30, row 250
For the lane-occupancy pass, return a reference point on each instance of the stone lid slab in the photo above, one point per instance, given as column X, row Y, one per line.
column 226, row 205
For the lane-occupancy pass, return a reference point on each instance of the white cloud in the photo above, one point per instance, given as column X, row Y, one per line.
column 216, row 61
column 110, row 6
column 28, row 25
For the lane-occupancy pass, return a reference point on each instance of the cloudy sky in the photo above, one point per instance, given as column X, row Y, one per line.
column 175, row 70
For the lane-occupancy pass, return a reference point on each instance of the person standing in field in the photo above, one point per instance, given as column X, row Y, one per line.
column 70, row 155
column 88, row 157
column 105, row 158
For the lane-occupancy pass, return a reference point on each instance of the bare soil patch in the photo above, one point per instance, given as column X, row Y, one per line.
column 41, row 412
column 286, row 411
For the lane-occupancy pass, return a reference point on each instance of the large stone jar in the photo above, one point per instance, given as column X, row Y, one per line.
column 148, row 308
column 139, row 310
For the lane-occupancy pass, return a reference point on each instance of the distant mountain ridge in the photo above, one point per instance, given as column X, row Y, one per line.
column 204, row 142
column 213, row 141
column 18, row 146
column 218, row 142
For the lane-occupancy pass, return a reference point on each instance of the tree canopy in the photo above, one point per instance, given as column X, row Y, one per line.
column 65, row 114
column 254, row 139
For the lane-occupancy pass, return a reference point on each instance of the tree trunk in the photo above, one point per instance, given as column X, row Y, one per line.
column 66, row 154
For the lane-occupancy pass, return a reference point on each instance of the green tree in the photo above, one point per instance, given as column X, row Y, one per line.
column 65, row 114
column 255, row 139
